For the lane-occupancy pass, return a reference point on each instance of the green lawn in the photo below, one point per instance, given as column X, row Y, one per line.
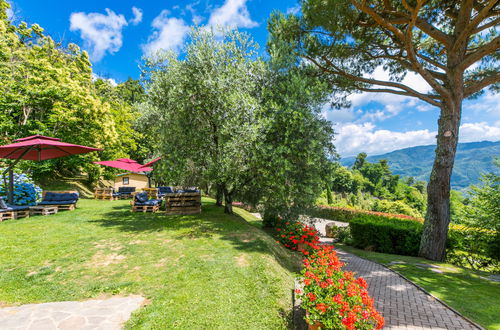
column 462, row 289
column 202, row 271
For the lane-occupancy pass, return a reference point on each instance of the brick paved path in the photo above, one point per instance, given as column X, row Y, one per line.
column 107, row 314
column 402, row 304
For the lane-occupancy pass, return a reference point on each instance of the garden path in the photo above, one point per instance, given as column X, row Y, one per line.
column 105, row 314
column 402, row 303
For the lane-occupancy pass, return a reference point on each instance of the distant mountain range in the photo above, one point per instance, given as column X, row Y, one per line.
column 472, row 159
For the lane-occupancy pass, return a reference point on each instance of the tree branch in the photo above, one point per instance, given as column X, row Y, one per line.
column 411, row 51
column 487, row 25
column 480, row 52
column 431, row 99
column 468, row 30
column 478, row 86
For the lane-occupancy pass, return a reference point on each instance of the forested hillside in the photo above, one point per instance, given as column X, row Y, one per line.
column 472, row 160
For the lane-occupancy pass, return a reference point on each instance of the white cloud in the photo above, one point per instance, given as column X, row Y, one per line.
column 233, row 13
column 110, row 80
column 101, row 33
column 470, row 132
column 137, row 16
column 294, row 10
column 355, row 138
column 169, row 34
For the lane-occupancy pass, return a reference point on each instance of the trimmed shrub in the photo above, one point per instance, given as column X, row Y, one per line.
column 346, row 215
column 387, row 235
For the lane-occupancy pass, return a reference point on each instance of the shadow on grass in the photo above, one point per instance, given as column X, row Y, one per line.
column 210, row 223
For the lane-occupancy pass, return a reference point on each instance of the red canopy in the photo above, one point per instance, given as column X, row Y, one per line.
column 151, row 162
column 126, row 164
column 39, row 147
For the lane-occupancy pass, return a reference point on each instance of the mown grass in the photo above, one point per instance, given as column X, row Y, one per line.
column 202, row 271
column 465, row 290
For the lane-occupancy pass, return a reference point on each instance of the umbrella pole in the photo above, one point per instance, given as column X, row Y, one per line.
column 10, row 169
column 10, row 198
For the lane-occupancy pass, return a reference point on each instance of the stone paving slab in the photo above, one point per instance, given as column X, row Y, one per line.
column 403, row 305
column 102, row 314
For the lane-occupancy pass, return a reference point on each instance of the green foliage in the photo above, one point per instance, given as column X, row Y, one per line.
column 228, row 120
column 372, row 186
column 47, row 89
column 397, row 207
column 386, row 235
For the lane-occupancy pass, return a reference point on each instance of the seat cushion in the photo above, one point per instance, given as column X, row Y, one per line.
column 57, row 202
column 152, row 202
column 18, row 207
column 49, row 196
column 141, row 197
column 3, row 205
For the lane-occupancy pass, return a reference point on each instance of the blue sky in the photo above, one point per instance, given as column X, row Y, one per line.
column 118, row 33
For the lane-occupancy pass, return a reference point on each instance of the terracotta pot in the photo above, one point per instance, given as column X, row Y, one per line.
column 316, row 326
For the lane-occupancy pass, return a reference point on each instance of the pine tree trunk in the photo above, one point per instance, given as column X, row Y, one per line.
column 219, row 195
column 228, row 199
column 437, row 219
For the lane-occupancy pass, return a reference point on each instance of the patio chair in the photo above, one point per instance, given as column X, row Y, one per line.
column 141, row 203
column 64, row 200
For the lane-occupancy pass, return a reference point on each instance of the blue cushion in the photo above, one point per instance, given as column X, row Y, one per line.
column 49, row 196
column 57, row 202
column 75, row 196
column 3, row 205
column 141, row 197
column 165, row 190
column 18, row 207
column 152, row 202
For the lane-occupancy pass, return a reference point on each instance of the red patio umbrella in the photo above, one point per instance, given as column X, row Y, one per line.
column 126, row 164
column 38, row 147
column 148, row 164
column 130, row 165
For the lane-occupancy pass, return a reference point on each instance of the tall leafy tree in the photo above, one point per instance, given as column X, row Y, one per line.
column 453, row 45
column 46, row 88
column 204, row 106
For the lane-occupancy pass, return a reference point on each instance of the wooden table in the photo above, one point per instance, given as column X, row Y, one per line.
column 43, row 210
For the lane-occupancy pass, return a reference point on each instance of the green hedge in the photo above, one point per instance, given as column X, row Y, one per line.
column 387, row 235
column 466, row 246
column 346, row 215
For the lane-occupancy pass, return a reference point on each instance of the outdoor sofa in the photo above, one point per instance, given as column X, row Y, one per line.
column 8, row 211
column 162, row 191
column 141, row 203
column 64, row 200
column 124, row 192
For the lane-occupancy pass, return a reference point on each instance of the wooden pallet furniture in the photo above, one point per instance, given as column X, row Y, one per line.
column 7, row 215
column 43, row 210
column 21, row 214
column 144, row 208
column 183, row 203
column 152, row 192
column 104, row 194
column 60, row 207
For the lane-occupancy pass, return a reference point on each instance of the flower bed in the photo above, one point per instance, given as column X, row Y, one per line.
column 332, row 298
column 297, row 236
